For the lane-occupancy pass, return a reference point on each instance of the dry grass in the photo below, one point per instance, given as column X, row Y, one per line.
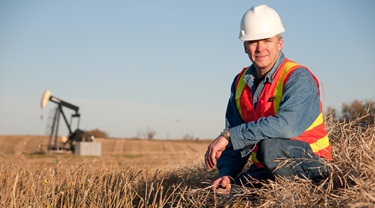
column 66, row 181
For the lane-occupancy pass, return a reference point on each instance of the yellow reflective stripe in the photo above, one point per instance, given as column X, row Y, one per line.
column 254, row 157
column 280, row 85
column 320, row 144
column 239, row 89
column 317, row 122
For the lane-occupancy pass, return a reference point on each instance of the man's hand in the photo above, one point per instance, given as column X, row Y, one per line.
column 222, row 185
column 214, row 151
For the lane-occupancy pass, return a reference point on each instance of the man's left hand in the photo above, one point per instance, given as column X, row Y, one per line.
column 214, row 151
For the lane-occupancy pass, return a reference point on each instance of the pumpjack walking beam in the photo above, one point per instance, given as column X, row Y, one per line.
column 52, row 144
column 61, row 104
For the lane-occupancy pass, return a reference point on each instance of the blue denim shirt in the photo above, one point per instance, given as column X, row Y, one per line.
column 299, row 107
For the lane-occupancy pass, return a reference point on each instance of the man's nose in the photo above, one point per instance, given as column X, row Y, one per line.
column 260, row 46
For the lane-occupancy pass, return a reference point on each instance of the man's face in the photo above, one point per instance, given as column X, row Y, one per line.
column 263, row 53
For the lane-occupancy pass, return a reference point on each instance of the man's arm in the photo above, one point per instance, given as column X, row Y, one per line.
column 231, row 163
column 299, row 107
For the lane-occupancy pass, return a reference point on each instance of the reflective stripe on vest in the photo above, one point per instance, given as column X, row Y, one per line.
column 268, row 105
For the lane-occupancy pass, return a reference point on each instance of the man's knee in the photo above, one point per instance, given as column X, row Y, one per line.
column 271, row 152
column 297, row 155
column 268, row 151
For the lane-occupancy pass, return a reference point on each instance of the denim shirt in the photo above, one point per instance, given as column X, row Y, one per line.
column 298, row 109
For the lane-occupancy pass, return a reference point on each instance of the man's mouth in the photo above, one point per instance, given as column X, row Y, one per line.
column 260, row 56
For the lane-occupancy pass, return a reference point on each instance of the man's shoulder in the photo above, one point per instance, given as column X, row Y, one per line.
column 301, row 77
column 301, row 72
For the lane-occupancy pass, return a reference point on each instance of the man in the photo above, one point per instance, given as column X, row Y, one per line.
column 274, row 113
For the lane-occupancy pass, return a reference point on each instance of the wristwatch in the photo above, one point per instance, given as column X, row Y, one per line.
column 226, row 134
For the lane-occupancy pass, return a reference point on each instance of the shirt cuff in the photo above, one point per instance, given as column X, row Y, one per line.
column 236, row 138
column 240, row 143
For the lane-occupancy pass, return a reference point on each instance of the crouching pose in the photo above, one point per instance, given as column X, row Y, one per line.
column 274, row 113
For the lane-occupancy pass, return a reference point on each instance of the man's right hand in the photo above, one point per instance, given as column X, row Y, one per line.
column 214, row 151
column 222, row 185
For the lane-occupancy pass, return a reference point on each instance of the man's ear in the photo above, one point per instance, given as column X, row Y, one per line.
column 280, row 44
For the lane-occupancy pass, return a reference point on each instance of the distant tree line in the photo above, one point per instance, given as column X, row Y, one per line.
column 357, row 109
column 97, row 133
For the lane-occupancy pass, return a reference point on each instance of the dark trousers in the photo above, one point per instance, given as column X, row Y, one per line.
column 284, row 158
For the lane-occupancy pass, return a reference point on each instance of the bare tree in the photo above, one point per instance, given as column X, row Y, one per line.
column 358, row 109
column 332, row 113
column 150, row 133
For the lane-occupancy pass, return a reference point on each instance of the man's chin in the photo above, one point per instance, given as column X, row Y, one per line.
column 261, row 63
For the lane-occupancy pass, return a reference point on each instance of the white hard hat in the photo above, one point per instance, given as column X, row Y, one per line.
column 260, row 22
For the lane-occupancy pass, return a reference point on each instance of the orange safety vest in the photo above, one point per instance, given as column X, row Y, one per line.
column 268, row 105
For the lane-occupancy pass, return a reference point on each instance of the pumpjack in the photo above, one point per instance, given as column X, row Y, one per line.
column 77, row 135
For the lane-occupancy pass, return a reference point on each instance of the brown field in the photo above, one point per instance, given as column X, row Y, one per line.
column 163, row 173
column 136, row 153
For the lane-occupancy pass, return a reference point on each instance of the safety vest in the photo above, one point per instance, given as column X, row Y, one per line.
column 268, row 105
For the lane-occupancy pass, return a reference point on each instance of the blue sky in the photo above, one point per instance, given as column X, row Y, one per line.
column 165, row 65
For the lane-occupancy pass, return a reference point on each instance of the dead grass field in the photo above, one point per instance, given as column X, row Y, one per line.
column 137, row 153
column 156, row 173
